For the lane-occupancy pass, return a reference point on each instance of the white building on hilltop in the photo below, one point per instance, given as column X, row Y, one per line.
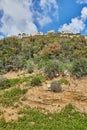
column 51, row 32
column 38, row 33
column 22, row 35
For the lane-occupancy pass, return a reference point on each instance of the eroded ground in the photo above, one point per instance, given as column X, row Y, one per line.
column 39, row 97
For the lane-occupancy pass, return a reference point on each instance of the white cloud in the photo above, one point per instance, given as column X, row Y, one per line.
column 82, row 1
column 17, row 17
column 77, row 24
column 44, row 20
column 84, row 13
column 48, row 4
column 48, row 7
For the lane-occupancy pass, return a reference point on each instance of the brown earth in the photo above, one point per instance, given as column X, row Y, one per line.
column 39, row 97
column 18, row 74
column 75, row 93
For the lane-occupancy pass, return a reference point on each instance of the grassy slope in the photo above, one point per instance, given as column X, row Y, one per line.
column 68, row 119
column 33, row 119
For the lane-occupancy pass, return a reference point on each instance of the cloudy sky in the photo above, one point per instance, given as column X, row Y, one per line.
column 30, row 16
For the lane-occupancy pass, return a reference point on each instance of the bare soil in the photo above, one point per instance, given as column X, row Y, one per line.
column 18, row 74
column 39, row 97
column 75, row 93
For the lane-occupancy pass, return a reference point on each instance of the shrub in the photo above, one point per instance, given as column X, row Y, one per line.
column 64, row 66
column 63, row 80
column 3, row 71
column 36, row 81
column 21, row 63
column 4, row 83
column 51, row 69
column 15, row 81
column 30, row 66
column 8, row 98
column 79, row 68
column 55, row 86
column 37, row 59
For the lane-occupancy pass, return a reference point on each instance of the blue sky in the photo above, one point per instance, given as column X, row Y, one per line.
column 30, row 16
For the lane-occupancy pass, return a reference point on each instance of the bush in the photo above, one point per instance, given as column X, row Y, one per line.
column 79, row 68
column 4, row 83
column 15, row 81
column 42, row 64
column 21, row 63
column 63, row 80
column 37, row 59
column 30, row 66
column 55, row 86
column 63, row 66
column 36, row 81
column 51, row 69
column 8, row 98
